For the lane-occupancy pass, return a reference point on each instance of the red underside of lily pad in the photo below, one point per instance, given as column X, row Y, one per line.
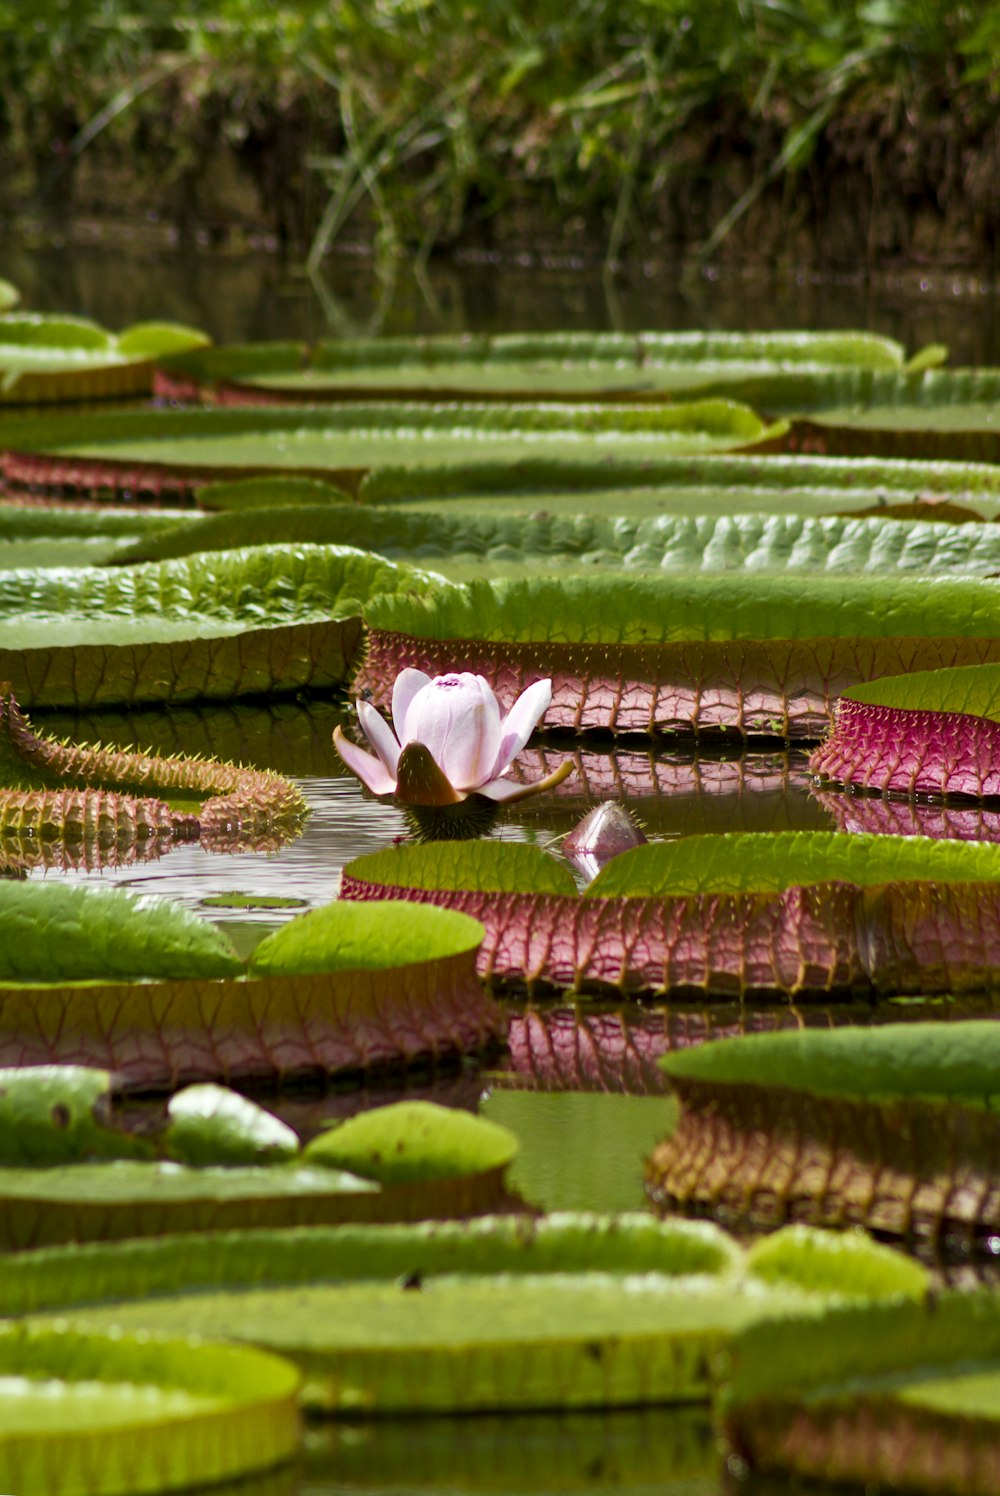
column 774, row 687
column 913, row 752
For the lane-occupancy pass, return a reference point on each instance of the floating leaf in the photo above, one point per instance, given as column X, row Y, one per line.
column 373, row 937
column 458, row 542
column 935, row 732
column 902, row 1394
column 501, row 1313
column 52, row 933
column 812, row 913
column 413, row 1141
column 86, row 1414
column 645, row 610
column 766, row 654
column 60, row 1114
column 940, row 413
column 173, row 452
column 478, row 867
column 46, row 358
column 266, row 493
column 157, row 1035
column 769, row 862
column 209, row 1125
column 712, row 485
column 892, row 1128
column 554, row 366
column 248, row 622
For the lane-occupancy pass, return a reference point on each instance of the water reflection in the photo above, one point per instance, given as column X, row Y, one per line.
column 673, row 791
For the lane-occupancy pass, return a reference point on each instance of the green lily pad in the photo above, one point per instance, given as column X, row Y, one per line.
column 98, row 1415
column 53, row 1114
column 459, row 543
column 370, row 937
column 764, row 862
column 974, row 690
column 267, row 493
column 248, row 622
column 56, row 932
column 894, row 1128
column 714, row 485
column 646, row 610
column 907, row 1395
column 957, row 1062
column 321, row 1016
column 479, row 866
column 500, row 1313
column 211, row 1125
column 523, row 367
column 411, row 1141
column 47, row 358
column 189, row 448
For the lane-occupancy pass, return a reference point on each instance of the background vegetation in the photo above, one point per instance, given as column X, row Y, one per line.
column 859, row 129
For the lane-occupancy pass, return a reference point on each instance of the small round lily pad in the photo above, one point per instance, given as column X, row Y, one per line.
column 412, row 1141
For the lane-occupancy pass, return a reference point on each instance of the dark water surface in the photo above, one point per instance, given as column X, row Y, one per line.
column 239, row 298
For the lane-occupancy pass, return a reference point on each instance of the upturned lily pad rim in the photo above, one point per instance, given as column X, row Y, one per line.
column 972, row 690
column 902, row 476
column 478, row 866
column 243, row 1415
column 956, row 1062
column 705, row 863
column 699, row 608
column 373, row 936
column 632, row 1242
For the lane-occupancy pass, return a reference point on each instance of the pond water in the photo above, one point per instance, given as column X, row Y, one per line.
column 581, row 1150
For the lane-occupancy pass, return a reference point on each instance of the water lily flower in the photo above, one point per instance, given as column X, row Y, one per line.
column 448, row 742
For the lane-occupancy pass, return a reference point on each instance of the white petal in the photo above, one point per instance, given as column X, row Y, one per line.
column 370, row 770
column 521, row 721
column 380, row 735
column 473, row 742
column 408, row 683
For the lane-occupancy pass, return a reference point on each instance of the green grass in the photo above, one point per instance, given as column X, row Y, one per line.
column 425, row 118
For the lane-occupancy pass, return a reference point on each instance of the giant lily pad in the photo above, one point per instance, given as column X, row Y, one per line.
column 714, row 485
column 553, row 366
column 936, row 732
column 893, row 1128
column 106, row 1415
column 459, row 544
column 571, row 1311
column 407, row 992
column 173, row 452
column 53, row 536
column 46, row 358
column 808, row 913
column 274, row 619
column 760, row 654
column 58, row 795
column 903, row 1396
column 943, row 413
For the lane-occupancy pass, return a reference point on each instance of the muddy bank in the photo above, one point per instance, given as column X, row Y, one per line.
column 881, row 187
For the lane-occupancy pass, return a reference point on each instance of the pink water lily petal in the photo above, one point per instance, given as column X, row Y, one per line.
column 370, row 770
column 457, row 718
column 520, row 722
column 380, row 735
column 472, row 744
column 408, row 683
